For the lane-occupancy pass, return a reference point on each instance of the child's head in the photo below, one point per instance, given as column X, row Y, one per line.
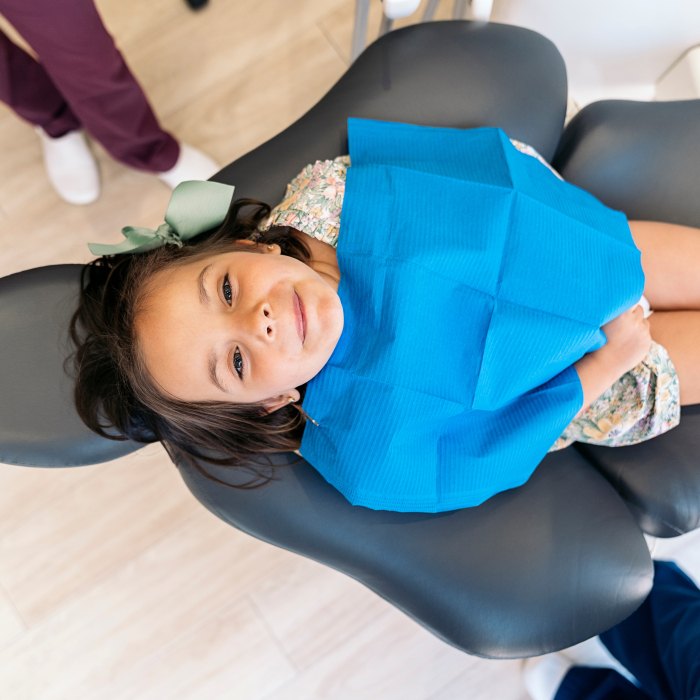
column 205, row 347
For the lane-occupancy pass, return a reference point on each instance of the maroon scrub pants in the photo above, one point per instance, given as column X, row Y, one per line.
column 82, row 81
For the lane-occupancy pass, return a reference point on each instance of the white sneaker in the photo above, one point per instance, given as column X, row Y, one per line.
column 595, row 654
column 70, row 166
column 542, row 675
column 192, row 164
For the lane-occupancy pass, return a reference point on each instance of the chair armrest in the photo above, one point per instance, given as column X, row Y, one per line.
column 660, row 478
column 642, row 158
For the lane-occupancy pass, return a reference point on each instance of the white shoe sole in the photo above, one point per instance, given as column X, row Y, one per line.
column 71, row 167
column 192, row 164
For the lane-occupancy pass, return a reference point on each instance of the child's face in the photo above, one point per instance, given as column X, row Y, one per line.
column 238, row 327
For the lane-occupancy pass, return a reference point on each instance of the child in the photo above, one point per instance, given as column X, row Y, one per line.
column 208, row 346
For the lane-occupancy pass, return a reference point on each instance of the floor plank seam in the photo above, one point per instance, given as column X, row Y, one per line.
column 252, row 58
column 319, row 661
column 105, row 576
column 3, row 592
column 278, row 643
column 152, row 659
column 23, row 521
column 9, row 642
column 436, row 695
column 334, row 44
column 136, row 40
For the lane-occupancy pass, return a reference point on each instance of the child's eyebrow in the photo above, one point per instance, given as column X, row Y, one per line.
column 203, row 296
column 212, row 371
column 206, row 301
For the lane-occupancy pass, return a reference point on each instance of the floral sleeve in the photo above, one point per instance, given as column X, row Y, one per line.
column 640, row 405
column 314, row 200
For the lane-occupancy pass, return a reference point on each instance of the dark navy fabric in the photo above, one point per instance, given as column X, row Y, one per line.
column 659, row 644
column 582, row 683
column 472, row 279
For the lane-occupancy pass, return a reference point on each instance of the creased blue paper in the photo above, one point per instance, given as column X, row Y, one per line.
column 471, row 280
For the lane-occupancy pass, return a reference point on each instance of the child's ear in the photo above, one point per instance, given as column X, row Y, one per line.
column 267, row 248
column 276, row 402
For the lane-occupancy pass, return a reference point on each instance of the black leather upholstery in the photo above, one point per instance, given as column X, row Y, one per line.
column 533, row 569
column 38, row 422
column 454, row 74
column 629, row 156
column 643, row 158
column 502, row 607
column 659, row 479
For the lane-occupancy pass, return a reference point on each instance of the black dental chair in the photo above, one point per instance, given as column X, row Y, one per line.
column 534, row 569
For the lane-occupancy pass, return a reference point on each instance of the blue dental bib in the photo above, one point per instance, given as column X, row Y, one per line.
column 471, row 281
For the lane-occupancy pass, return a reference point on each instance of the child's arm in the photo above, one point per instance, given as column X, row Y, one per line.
column 628, row 343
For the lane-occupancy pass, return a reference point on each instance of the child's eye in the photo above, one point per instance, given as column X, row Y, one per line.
column 226, row 289
column 238, row 363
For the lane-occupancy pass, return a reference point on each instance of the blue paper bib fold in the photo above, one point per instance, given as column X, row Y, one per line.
column 471, row 281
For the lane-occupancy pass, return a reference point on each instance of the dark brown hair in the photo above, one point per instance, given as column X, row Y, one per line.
column 115, row 395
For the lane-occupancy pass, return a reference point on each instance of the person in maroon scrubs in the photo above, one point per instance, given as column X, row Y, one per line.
column 81, row 82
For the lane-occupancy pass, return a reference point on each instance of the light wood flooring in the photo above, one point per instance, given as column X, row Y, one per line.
column 114, row 582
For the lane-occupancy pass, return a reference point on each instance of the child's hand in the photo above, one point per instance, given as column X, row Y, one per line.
column 629, row 340
column 628, row 343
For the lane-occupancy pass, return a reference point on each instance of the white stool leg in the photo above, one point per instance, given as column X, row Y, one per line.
column 481, row 10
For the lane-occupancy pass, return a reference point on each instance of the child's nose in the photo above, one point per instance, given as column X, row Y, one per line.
column 262, row 323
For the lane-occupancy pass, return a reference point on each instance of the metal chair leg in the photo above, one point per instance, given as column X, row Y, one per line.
column 430, row 10
column 359, row 33
column 386, row 25
column 460, row 9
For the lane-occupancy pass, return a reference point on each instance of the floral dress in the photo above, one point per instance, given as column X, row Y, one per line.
column 640, row 405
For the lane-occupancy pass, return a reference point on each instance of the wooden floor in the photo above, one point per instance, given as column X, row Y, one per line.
column 114, row 582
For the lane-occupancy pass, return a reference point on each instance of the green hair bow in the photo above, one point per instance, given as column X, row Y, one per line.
column 195, row 207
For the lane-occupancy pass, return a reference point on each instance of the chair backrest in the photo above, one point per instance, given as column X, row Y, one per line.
column 451, row 74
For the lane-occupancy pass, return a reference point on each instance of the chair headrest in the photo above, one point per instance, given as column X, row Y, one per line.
column 39, row 425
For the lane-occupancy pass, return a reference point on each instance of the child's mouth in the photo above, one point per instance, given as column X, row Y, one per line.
column 300, row 317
